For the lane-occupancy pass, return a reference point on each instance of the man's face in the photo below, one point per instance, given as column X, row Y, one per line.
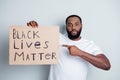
column 73, row 27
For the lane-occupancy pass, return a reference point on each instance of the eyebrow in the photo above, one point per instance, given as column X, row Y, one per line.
column 76, row 22
column 69, row 23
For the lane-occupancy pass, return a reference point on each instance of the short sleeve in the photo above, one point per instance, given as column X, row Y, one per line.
column 93, row 48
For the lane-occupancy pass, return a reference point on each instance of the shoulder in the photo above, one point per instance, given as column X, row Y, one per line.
column 91, row 47
column 86, row 41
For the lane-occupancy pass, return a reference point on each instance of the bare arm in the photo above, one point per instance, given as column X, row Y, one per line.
column 99, row 60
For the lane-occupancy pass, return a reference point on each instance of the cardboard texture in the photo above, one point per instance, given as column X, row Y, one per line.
column 33, row 46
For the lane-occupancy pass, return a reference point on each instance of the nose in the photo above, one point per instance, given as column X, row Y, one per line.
column 73, row 27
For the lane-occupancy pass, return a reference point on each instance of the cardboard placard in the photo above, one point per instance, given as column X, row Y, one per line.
column 32, row 46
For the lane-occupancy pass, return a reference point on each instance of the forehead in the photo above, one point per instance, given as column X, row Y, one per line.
column 73, row 19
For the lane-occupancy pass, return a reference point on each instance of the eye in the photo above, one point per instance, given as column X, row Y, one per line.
column 77, row 23
column 69, row 24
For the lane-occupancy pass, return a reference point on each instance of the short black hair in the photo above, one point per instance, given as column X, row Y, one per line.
column 73, row 16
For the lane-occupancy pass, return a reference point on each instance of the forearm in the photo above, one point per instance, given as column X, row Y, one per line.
column 99, row 61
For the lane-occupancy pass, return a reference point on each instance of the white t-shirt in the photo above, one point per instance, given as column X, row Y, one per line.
column 72, row 67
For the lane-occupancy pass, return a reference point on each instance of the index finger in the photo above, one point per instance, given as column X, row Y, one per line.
column 68, row 46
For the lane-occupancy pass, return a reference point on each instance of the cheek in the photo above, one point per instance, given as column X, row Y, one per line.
column 69, row 29
column 78, row 28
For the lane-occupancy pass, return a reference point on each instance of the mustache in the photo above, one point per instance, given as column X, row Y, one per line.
column 74, row 30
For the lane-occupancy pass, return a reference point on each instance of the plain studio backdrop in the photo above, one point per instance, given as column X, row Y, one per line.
column 101, row 23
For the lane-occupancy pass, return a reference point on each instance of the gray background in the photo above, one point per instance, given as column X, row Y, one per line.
column 101, row 23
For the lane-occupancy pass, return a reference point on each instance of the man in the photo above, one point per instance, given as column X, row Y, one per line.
column 75, row 53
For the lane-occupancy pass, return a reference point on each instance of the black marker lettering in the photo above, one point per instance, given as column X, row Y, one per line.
column 19, row 55
column 28, row 34
column 35, row 34
column 53, row 55
column 27, row 58
column 29, row 45
column 41, row 55
column 47, row 56
column 15, row 45
column 23, row 35
column 33, row 55
column 37, row 45
column 46, row 44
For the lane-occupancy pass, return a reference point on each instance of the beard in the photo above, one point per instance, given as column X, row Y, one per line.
column 73, row 36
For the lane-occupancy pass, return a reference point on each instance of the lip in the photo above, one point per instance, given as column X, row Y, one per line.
column 74, row 32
